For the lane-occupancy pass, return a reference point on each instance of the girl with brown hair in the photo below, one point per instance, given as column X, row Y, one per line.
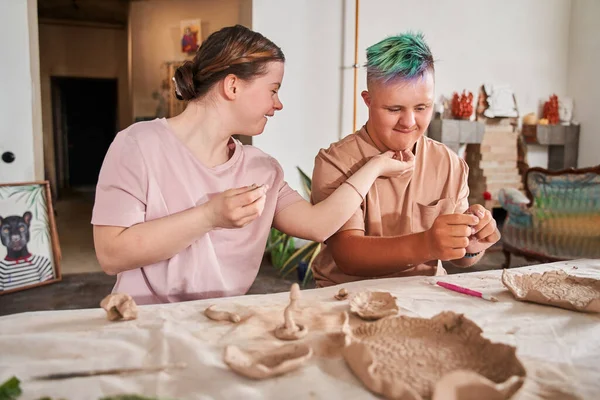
column 183, row 210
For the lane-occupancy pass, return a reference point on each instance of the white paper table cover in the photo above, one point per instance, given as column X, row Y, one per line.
column 559, row 348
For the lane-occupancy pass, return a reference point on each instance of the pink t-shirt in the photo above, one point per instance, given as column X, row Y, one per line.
column 148, row 173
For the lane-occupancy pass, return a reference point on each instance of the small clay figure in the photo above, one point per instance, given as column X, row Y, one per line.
column 216, row 315
column 119, row 307
column 341, row 295
column 290, row 330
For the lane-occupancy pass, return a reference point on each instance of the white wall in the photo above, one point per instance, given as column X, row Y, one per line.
column 155, row 39
column 20, row 111
column 311, row 90
column 583, row 83
column 521, row 43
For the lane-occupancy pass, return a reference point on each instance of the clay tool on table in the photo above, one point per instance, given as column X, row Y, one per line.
column 466, row 291
column 119, row 371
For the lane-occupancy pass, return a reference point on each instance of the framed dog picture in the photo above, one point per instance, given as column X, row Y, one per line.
column 30, row 252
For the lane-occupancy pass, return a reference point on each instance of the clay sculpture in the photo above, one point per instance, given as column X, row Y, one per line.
column 216, row 315
column 373, row 305
column 555, row 288
column 469, row 385
column 119, row 307
column 265, row 364
column 342, row 294
column 290, row 330
column 404, row 358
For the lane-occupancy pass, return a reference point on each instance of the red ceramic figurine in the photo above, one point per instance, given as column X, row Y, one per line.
column 462, row 106
column 551, row 110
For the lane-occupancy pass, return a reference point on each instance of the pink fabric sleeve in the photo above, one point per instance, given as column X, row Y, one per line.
column 122, row 185
column 286, row 196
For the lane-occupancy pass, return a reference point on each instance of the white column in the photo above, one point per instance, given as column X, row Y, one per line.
column 20, row 102
column 584, row 86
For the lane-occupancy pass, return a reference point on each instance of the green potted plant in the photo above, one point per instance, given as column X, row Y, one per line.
column 284, row 255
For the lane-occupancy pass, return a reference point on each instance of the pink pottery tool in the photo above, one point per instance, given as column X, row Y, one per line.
column 463, row 290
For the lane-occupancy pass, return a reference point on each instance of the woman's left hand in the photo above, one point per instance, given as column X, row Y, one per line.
column 393, row 163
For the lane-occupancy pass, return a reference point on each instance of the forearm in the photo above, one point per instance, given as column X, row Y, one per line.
column 343, row 202
column 378, row 256
column 320, row 221
column 333, row 212
column 149, row 242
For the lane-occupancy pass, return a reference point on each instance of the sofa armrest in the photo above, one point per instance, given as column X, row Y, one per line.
column 513, row 201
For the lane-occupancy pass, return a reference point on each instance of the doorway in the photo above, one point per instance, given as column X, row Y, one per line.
column 85, row 124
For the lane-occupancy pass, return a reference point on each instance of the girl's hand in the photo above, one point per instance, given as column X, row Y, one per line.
column 236, row 208
column 392, row 163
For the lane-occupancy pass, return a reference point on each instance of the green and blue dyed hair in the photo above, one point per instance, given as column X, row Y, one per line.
column 404, row 57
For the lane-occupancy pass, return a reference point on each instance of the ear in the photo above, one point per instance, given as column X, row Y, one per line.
column 27, row 217
column 366, row 97
column 230, row 86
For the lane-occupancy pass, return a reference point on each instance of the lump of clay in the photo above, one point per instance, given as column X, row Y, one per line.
column 119, row 307
column 341, row 295
column 265, row 364
column 555, row 288
column 373, row 305
column 217, row 315
column 469, row 385
column 290, row 330
column 404, row 358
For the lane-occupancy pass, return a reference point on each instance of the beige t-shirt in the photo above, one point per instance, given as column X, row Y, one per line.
column 393, row 206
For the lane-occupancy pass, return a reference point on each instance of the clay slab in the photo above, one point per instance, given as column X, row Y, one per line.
column 555, row 288
column 404, row 358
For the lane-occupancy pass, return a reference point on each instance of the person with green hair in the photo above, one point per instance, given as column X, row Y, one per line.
column 409, row 223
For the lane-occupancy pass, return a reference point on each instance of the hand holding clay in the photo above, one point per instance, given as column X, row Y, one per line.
column 448, row 237
column 236, row 208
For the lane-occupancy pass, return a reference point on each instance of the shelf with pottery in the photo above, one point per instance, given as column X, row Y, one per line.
column 557, row 130
column 562, row 142
column 454, row 126
column 456, row 132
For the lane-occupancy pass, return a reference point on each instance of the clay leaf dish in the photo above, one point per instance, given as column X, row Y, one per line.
column 404, row 358
column 373, row 305
column 266, row 364
column 555, row 288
